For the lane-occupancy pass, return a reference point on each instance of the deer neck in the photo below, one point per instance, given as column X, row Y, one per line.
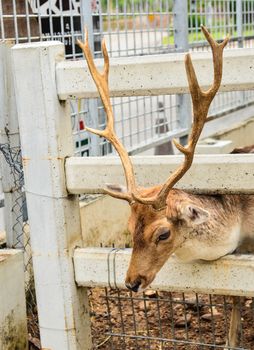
column 206, row 245
column 219, row 235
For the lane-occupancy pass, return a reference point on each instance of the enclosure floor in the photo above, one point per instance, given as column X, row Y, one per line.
column 177, row 321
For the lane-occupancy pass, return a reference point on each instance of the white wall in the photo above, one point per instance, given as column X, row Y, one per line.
column 1, row 213
column 13, row 327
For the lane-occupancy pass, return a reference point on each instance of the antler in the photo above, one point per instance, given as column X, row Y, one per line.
column 201, row 102
column 101, row 81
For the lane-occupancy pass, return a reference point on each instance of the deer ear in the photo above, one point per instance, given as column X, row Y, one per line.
column 116, row 188
column 194, row 215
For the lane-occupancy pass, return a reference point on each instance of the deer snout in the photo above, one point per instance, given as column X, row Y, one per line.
column 133, row 286
column 136, row 283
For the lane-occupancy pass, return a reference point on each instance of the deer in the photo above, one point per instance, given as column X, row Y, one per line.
column 165, row 220
column 245, row 149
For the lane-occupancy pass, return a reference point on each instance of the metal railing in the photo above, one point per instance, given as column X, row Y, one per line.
column 157, row 27
column 166, row 320
column 136, row 27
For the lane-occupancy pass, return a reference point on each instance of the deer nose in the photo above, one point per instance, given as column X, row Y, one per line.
column 133, row 286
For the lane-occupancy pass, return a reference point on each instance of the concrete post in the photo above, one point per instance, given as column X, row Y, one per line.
column 54, row 216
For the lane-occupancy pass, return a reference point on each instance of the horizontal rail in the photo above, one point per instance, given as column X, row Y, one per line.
column 100, row 267
column 155, row 75
column 209, row 174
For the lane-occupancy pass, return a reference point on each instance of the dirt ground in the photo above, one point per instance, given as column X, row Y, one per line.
column 190, row 320
column 122, row 320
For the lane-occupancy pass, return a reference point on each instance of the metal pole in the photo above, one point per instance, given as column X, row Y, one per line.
column 93, row 114
column 239, row 26
column 180, row 10
column 239, row 22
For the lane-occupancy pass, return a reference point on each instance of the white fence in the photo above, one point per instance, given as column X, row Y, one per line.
column 43, row 83
column 91, row 270
column 154, row 75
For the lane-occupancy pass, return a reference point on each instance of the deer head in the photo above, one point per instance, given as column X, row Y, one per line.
column 160, row 216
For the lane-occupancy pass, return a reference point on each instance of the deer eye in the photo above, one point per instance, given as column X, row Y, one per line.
column 163, row 236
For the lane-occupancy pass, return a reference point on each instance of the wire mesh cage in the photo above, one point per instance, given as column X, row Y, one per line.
column 165, row 320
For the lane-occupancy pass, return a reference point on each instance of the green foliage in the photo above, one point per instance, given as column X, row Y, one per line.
column 195, row 21
column 198, row 36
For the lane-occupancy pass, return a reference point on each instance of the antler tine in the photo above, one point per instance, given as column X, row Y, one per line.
column 201, row 102
column 202, row 99
column 101, row 81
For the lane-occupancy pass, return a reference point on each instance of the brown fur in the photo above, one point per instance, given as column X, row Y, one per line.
column 246, row 149
column 226, row 212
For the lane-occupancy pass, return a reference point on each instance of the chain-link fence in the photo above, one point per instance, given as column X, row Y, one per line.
column 12, row 156
column 18, row 220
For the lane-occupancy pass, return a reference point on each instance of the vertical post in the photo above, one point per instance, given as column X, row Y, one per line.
column 93, row 115
column 209, row 15
column 239, row 22
column 87, row 20
column 180, row 10
column 9, row 139
column 54, row 216
column 239, row 26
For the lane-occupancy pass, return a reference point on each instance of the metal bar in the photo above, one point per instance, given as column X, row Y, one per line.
column 93, row 115
column 16, row 31
column 239, row 28
column 239, row 22
column 180, row 11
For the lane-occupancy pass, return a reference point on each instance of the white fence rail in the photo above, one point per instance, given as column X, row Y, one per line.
column 104, row 266
column 214, row 174
column 155, row 75
column 46, row 139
